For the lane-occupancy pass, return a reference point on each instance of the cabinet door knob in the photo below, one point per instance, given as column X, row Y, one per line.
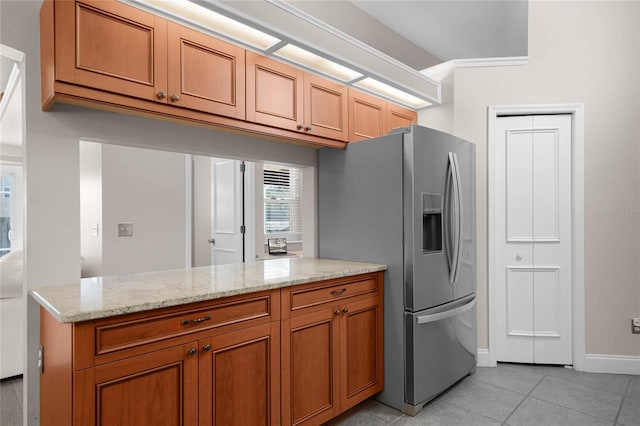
column 206, row 348
column 307, row 129
column 192, row 351
column 300, row 126
column 175, row 98
column 345, row 310
column 161, row 95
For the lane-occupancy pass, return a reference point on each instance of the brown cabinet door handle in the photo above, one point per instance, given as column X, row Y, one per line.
column 345, row 310
column 338, row 292
column 206, row 348
column 192, row 351
column 195, row 321
column 337, row 312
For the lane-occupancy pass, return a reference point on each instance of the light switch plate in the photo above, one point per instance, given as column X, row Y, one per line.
column 125, row 229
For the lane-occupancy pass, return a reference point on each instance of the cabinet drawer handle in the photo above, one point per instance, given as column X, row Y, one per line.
column 338, row 292
column 192, row 351
column 195, row 321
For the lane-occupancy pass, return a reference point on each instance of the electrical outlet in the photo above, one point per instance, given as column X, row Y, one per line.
column 635, row 325
column 125, row 229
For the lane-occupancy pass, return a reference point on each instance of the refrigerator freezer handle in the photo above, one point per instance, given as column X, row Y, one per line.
column 425, row 319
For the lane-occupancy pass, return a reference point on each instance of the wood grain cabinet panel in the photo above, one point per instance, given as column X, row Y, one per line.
column 399, row 117
column 274, row 93
column 332, row 353
column 111, row 46
column 367, row 116
column 240, row 378
column 160, row 388
column 326, row 108
column 205, row 73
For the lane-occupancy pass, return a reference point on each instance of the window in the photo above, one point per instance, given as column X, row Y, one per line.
column 6, row 182
column 282, row 216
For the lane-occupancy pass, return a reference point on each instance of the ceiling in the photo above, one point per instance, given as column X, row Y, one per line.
column 418, row 33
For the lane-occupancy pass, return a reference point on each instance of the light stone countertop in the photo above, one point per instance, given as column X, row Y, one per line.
column 103, row 297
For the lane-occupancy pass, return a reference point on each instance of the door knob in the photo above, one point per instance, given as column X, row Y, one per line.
column 519, row 257
column 161, row 95
column 212, row 241
column 175, row 98
column 345, row 310
column 307, row 129
column 299, row 126
column 192, row 351
column 206, row 348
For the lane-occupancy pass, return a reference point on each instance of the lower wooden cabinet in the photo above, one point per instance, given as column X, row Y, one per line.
column 231, row 361
column 332, row 352
column 158, row 388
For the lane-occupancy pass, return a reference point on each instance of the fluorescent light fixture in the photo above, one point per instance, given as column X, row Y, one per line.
column 213, row 21
column 317, row 63
column 373, row 85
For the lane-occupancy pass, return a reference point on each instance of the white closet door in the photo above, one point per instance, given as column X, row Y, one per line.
column 533, row 230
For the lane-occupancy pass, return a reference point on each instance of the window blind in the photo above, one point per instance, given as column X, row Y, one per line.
column 282, row 213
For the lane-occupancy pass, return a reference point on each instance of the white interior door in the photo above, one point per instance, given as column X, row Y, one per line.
column 226, row 211
column 532, row 223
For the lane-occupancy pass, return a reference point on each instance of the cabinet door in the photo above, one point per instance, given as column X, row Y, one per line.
column 399, row 117
column 111, row 46
column 361, row 355
column 367, row 116
column 325, row 108
column 274, row 93
column 205, row 73
column 159, row 388
column 240, row 377
column 310, row 368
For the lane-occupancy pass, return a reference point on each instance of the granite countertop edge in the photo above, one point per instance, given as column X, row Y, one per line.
column 147, row 305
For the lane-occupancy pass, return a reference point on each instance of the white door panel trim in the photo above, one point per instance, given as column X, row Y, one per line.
column 577, row 201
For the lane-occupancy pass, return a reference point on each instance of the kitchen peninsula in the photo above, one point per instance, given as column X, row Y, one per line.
column 284, row 341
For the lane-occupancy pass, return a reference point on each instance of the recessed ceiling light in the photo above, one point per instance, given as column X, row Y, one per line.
column 213, row 21
column 317, row 63
column 398, row 95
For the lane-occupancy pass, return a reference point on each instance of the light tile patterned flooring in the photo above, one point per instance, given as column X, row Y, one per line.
column 519, row 395
column 515, row 395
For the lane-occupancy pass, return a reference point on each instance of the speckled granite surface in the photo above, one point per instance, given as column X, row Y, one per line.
column 103, row 297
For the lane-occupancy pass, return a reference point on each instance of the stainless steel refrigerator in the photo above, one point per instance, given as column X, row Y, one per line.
column 408, row 200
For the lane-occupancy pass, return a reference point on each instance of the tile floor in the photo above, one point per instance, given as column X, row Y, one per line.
column 519, row 395
column 515, row 395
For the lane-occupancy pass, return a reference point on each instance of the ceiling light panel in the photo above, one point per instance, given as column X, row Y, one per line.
column 375, row 86
column 212, row 21
column 317, row 63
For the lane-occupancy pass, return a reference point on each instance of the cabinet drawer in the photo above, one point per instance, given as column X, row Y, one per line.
column 307, row 297
column 125, row 334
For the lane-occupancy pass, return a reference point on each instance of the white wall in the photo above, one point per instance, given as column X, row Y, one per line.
column 53, row 189
column 147, row 188
column 580, row 52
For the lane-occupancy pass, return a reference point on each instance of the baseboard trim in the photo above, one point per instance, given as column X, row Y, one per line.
column 483, row 358
column 615, row 364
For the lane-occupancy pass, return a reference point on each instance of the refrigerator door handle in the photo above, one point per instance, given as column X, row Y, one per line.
column 453, row 224
column 457, row 203
column 447, row 219
column 425, row 319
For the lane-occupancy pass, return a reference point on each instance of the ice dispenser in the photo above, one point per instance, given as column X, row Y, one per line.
column 431, row 222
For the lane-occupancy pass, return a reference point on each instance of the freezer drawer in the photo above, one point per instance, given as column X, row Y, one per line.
column 441, row 349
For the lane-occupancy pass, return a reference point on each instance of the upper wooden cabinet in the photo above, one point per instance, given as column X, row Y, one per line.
column 205, row 73
column 370, row 117
column 367, row 116
column 399, row 117
column 111, row 46
column 283, row 96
